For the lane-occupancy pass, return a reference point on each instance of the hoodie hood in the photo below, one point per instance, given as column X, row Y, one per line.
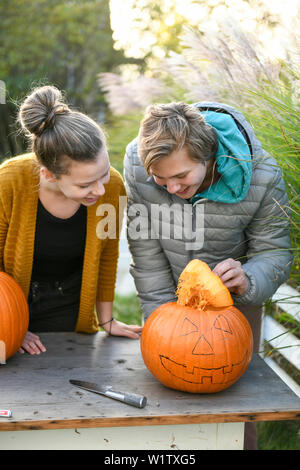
column 233, row 161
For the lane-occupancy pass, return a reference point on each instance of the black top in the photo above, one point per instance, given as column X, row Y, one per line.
column 54, row 296
column 59, row 245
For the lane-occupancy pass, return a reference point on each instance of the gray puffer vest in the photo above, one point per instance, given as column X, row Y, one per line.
column 165, row 232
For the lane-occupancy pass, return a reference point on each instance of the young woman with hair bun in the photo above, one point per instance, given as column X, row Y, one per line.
column 48, row 221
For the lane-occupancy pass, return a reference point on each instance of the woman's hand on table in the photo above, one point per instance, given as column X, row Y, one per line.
column 32, row 344
column 112, row 326
column 118, row 328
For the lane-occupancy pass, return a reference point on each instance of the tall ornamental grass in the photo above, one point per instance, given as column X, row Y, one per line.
column 277, row 125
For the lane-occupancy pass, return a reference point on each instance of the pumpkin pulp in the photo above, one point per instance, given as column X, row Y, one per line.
column 199, row 287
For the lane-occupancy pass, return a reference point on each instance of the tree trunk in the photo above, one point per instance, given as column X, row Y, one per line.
column 11, row 143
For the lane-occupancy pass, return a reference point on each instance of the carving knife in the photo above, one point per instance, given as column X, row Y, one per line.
column 130, row 398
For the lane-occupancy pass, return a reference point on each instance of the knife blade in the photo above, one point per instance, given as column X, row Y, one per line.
column 132, row 399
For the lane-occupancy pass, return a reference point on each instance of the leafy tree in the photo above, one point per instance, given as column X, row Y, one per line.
column 162, row 21
column 65, row 43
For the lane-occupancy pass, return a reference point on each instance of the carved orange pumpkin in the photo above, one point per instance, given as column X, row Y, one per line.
column 14, row 316
column 202, row 343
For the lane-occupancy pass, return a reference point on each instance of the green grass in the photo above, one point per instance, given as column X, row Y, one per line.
column 120, row 131
column 127, row 309
column 279, row 435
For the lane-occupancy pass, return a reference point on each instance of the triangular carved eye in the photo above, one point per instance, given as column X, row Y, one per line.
column 188, row 327
column 221, row 323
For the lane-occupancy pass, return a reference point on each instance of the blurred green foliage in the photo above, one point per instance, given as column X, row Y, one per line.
column 276, row 124
column 63, row 43
column 127, row 309
column 278, row 435
column 66, row 43
column 120, row 131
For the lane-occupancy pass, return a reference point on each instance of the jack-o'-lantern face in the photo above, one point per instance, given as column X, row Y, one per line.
column 198, row 352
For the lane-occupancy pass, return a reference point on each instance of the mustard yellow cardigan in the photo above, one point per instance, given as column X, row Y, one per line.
column 19, row 185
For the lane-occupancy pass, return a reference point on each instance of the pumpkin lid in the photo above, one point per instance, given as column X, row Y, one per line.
column 199, row 287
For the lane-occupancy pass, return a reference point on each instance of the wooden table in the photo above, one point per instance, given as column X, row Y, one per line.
column 50, row 413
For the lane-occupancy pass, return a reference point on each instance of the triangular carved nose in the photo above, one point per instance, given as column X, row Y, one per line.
column 202, row 347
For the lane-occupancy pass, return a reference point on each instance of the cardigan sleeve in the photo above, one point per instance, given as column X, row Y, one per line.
column 3, row 232
column 108, row 271
column 3, row 224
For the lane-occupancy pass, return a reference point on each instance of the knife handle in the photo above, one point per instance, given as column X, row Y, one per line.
column 138, row 401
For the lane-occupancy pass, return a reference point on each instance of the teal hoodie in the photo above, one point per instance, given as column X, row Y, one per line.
column 233, row 161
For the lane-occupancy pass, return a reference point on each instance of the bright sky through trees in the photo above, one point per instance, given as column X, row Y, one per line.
column 252, row 16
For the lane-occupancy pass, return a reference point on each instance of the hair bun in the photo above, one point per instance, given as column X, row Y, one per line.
column 39, row 110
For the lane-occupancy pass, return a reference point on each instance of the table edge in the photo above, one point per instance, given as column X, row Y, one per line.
column 99, row 422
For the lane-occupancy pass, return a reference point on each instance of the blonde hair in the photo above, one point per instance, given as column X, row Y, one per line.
column 169, row 127
column 56, row 132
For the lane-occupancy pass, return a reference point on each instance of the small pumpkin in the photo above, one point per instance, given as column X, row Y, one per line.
column 14, row 316
column 201, row 343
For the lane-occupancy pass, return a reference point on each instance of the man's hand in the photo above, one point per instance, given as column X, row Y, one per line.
column 32, row 344
column 232, row 275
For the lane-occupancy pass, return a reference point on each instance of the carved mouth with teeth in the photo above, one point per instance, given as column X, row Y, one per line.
column 202, row 375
